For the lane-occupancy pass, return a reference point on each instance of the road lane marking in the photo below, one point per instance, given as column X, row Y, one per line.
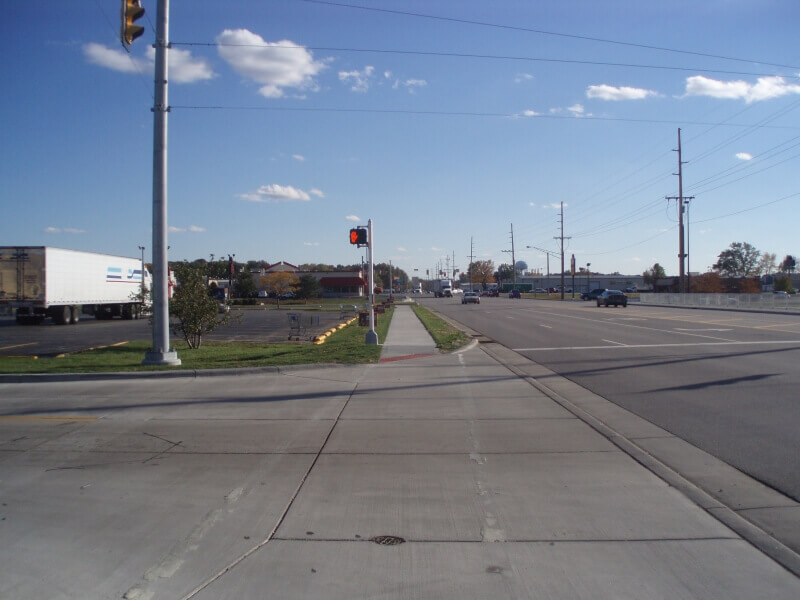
column 684, row 345
column 707, row 329
column 605, row 322
column 546, row 326
column 48, row 418
column 18, row 345
column 613, row 342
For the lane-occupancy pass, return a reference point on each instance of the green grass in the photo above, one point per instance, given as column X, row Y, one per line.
column 345, row 346
column 446, row 336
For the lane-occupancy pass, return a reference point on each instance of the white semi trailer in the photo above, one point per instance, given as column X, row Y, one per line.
column 40, row 282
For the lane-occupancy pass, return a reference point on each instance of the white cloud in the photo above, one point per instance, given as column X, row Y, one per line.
column 435, row 249
column 530, row 113
column 63, row 230
column 310, row 243
column 609, row 92
column 183, row 68
column 353, row 218
column 554, row 205
column 358, row 80
column 387, row 74
column 401, row 249
column 576, row 109
column 277, row 66
column 196, row 228
column 523, row 77
column 173, row 229
column 744, row 156
column 299, row 157
column 532, row 203
column 277, row 193
column 765, row 88
column 316, row 192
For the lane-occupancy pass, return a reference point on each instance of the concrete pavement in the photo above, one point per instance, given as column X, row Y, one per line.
column 478, row 479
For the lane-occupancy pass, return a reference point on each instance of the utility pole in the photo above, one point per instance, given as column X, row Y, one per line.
column 471, row 260
column 513, row 259
column 562, row 238
column 681, row 208
column 160, row 353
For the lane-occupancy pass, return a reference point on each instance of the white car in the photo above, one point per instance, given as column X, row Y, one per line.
column 471, row 298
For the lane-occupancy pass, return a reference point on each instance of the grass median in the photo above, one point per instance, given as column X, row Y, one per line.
column 346, row 346
column 447, row 337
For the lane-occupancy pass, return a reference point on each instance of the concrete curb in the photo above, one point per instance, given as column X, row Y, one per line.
column 186, row 373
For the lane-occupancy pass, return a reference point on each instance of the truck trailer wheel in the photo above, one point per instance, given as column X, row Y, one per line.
column 75, row 314
column 61, row 314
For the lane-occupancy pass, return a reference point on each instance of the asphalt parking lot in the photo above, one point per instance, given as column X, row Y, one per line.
column 48, row 339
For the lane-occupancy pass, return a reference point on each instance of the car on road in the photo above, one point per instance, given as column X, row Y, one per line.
column 615, row 297
column 514, row 294
column 471, row 298
column 592, row 294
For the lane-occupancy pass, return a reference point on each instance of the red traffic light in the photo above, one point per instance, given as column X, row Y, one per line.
column 358, row 236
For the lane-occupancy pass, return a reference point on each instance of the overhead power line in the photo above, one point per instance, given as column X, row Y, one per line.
column 595, row 63
column 545, row 32
column 445, row 113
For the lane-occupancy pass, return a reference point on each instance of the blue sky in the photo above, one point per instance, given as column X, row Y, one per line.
column 292, row 121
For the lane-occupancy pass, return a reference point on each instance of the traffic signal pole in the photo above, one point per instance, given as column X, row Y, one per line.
column 372, row 337
column 160, row 353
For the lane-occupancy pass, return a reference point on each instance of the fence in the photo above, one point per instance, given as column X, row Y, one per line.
column 766, row 301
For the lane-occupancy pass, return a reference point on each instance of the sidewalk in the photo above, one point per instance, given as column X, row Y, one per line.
column 446, row 476
column 492, row 490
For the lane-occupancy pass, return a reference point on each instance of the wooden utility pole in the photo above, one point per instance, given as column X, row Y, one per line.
column 681, row 209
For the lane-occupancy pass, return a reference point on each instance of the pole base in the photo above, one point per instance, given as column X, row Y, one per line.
column 372, row 338
column 169, row 358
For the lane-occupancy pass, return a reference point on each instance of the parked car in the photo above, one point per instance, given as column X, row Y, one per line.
column 514, row 294
column 493, row 293
column 471, row 298
column 609, row 297
column 592, row 294
column 540, row 291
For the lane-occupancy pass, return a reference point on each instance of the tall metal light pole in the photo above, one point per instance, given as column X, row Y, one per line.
column 160, row 354
column 372, row 337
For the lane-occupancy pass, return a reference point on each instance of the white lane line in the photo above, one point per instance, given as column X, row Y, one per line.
column 707, row 329
column 546, row 326
column 613, row 342
column 685, row 345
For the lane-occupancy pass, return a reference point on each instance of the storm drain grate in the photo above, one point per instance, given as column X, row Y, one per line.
column 387, row 540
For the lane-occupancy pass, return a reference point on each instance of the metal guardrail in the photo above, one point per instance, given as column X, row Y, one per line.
column 765, row 301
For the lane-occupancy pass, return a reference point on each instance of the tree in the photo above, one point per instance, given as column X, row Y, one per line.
column 482, row 271
column 739, row 260
column 788, row 265
column 197, row 312
column 279, row 284
column 767, row 264
column 244, row 286
column 505, row 272
column 652, row 275
column 308, row 287
column 783, row 284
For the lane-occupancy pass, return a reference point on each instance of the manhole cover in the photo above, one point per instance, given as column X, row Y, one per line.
column 387, row 540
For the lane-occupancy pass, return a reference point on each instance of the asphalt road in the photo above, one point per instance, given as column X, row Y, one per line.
column 49, row 339
column 727, row 382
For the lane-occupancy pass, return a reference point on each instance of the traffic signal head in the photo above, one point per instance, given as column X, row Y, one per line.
column 358, row 236
column 131, row 11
